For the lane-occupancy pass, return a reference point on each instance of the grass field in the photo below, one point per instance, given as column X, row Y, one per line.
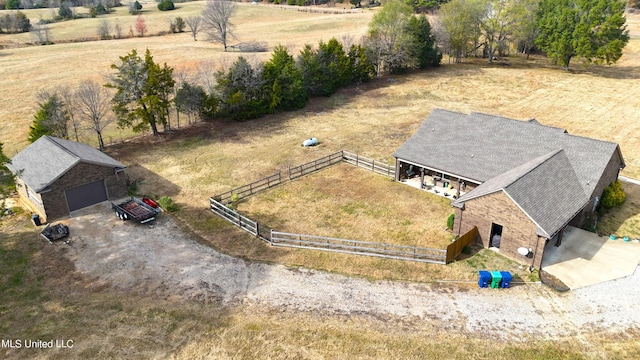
column 42, row 295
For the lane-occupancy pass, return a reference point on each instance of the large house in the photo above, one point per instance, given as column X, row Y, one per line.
column 519, row 182
column 55, row 176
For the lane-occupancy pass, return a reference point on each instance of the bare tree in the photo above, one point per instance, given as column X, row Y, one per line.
column 206, row 74
column 104, row 29
column 195, row 25
column 69, row 105
column 117, row 28
column 94, row 106
column 215, row 18
column 41, row 33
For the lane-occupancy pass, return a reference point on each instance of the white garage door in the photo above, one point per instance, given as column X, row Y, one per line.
column 86, row 195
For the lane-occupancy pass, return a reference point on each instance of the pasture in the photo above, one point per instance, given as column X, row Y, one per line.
column 372, row 120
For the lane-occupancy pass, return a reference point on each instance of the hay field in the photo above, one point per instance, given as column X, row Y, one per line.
column 26, row 69
column 598, row 101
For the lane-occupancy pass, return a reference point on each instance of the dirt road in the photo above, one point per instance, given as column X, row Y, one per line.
column 163, row 261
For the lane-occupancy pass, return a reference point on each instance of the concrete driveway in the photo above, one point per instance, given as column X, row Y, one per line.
column 584, row 258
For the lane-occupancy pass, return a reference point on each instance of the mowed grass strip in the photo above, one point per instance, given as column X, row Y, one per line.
column 344, row 201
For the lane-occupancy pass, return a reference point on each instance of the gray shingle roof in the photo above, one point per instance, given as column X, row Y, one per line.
column 548, row 173
column 549, row 201
column 479, row 147
column 48, row 158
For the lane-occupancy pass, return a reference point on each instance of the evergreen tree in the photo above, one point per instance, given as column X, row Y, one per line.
column 593, row 30
column 326, row 69
column 142, row 94
column 241, row 92
column 362, row 69
column 283, row 82
column 422, row 42
column 51, row 119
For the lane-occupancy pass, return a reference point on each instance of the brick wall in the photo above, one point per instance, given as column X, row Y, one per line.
column 517, row 229
column 609, row 175
column 55, row 201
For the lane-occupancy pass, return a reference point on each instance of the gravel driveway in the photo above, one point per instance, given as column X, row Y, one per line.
column 163, row 261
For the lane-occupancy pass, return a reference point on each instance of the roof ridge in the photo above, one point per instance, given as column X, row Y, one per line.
column 521, row 170
column 59, row 145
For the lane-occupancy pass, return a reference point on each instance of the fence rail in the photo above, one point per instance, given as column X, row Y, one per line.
column 321, row 163
column 234, row 217
column 276, row 238
column 250, row 189
column 389, row 251
column 369, row 164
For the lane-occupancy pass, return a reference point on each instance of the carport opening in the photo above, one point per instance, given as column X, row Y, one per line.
column 496, row 235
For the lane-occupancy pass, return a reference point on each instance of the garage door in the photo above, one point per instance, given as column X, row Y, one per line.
column 86, row 195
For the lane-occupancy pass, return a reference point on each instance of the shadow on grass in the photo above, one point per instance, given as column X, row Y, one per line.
column 623, row 220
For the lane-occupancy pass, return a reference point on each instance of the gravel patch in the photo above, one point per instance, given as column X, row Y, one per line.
column 163, row 261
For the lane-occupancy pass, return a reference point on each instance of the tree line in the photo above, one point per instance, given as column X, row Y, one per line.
column 144, row 95
column 593, row 30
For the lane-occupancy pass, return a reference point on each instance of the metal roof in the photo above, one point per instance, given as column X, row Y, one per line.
column 48, row 158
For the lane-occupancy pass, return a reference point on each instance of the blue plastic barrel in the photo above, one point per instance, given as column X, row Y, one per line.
column 484, row 278
column 506, row 279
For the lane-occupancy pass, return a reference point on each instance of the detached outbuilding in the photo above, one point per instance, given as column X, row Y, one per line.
column 519, row 182
column 55, row 176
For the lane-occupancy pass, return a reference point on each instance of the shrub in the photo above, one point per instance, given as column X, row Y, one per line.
column 12, row 4
column 166, row 5
column 167, row 203
column 65, row 12
column 135, row 8
column 100, row 9
column 613, row 195
column 450, row 221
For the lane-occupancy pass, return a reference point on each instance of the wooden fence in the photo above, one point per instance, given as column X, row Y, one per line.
column 389, row 251
column 218, row 206
column 315, row 165
column 455, row 248
column 297, row 171
column 234, row 217
column 250, row 189
column 369, row 164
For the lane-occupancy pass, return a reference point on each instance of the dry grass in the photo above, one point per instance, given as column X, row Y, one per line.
column 351, row 203
column 624, row 220
column 43, row 298
column 373, row 120
column 25, row 70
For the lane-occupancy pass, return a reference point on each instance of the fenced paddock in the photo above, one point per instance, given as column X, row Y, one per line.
column 218, row 205
column 355, row 247
column 294, row 172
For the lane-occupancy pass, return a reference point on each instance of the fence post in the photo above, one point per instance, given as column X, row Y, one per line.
column 239, row 220
column 357, row 156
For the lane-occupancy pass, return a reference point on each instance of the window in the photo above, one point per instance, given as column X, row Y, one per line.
column 34, row 197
